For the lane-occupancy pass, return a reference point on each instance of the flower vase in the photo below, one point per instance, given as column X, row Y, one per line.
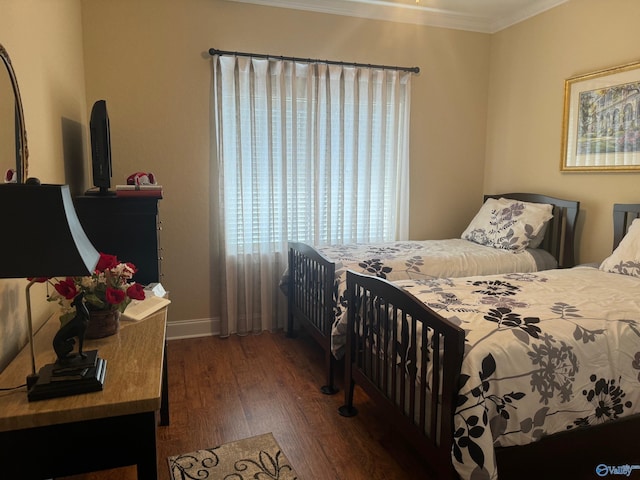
column 102, row 323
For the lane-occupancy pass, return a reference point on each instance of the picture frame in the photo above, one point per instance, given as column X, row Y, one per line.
column 601, row 121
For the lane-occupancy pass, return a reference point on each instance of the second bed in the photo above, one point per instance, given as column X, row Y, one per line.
column 512, row 232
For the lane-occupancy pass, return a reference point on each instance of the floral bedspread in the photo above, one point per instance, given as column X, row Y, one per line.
column 544, row 352
column 424, row 259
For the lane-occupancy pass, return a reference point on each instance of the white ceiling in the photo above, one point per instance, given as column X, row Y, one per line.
column 487, row 16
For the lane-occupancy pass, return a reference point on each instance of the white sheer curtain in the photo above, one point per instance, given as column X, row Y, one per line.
column 303, row 152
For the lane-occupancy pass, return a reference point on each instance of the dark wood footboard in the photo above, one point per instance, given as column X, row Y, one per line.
column 592, row 452
column 386, row 327
column 310, row 291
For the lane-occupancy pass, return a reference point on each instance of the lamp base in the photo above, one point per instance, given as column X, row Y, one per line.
column 69, row 377
column 31, row 380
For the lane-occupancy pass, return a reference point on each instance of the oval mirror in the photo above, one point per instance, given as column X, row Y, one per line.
column 14, row 153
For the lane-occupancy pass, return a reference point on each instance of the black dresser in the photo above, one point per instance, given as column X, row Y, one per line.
column 128, row 227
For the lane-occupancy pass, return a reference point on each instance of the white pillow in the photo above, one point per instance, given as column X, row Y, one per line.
column 508, row 224
column 625, row 259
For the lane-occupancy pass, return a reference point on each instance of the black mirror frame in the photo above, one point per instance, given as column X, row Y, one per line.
column 22, row 151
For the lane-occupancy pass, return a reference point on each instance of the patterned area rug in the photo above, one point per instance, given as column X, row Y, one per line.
column 251, row 458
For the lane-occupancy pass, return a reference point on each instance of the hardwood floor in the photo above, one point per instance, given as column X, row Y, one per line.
column 223, row 390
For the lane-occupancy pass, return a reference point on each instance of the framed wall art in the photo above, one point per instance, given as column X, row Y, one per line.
column 601, row 122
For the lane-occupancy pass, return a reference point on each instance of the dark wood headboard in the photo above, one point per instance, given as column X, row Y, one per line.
column 559, row 239
column 623, row 215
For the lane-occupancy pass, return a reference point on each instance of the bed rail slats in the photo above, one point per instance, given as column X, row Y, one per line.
column 406, row 356
column 310, row 300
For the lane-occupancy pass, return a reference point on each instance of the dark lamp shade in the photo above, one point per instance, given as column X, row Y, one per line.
column 41, row 235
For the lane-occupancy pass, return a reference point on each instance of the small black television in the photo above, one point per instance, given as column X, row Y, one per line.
column 100, row 149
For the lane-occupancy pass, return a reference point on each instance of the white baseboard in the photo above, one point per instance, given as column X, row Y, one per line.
column 202, row 327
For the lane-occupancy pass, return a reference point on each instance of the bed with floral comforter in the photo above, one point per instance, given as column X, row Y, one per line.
column 544, row 352
column 514, row 232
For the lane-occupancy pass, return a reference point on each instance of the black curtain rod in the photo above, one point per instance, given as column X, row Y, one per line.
column 213, row 51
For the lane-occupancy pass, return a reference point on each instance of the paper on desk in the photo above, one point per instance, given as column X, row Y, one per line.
column 140, row 309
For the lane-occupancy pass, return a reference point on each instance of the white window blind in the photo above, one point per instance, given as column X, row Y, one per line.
column 311, row 152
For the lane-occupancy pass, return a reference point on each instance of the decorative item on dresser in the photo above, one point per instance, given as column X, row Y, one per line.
column 107, row 292
column 45, row 239
column 126, row 227
column 154, row 191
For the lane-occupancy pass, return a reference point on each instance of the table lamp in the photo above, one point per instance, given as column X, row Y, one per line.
column 42, row 238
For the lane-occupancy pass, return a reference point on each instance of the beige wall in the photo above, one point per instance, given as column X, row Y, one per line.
column 148, row 59
column 44, row 41
column 486, row 109
column 529, row 64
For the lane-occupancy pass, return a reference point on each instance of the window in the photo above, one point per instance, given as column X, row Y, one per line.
column 309, row 152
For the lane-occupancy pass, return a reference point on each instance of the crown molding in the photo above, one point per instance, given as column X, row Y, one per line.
column 415, row 13
column 528, row 11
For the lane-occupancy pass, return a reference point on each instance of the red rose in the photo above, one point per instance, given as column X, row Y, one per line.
column 136, row 292
column 67, row 288
column 131, row 267
column 106, row 262
column 114, row 296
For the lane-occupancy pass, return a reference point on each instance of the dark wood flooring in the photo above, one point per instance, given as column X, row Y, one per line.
column 221, row 390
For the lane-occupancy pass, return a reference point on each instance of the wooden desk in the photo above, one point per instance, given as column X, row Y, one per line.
column 92, row 431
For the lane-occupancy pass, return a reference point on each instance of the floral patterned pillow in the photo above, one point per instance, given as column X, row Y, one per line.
column 508, row 224
column 625, row 259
